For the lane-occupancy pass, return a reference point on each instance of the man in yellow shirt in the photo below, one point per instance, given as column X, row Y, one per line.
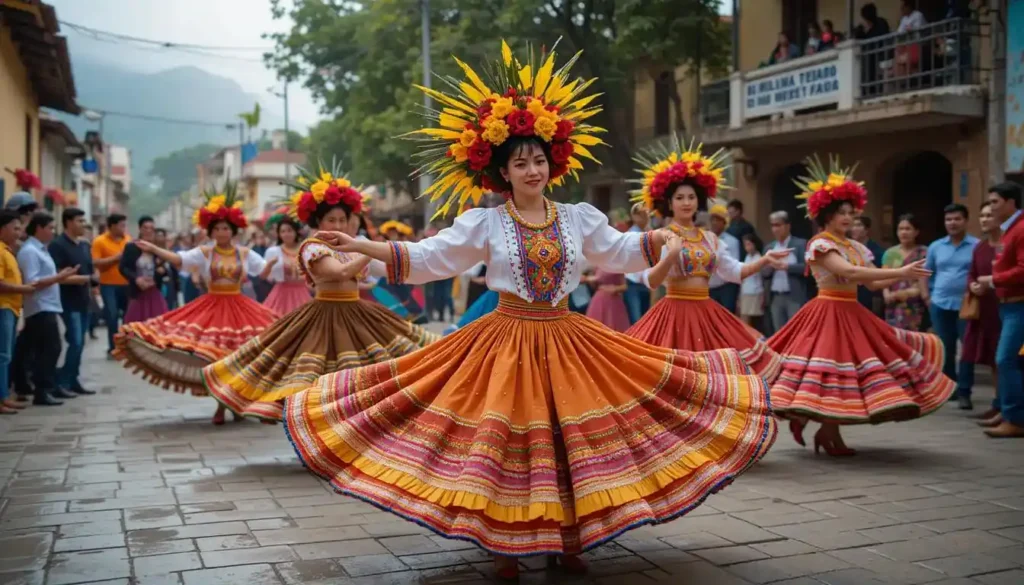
column 107, row 249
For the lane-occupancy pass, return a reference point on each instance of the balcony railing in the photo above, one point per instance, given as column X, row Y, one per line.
column 939, row 54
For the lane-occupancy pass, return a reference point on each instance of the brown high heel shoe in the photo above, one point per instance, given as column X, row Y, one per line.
column 833, row 447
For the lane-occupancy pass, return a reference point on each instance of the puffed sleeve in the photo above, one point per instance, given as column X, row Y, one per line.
column 193, row 259
column 254, row 263
column 819, row 247
column 450, row 253
column 728, row 266
column 277, row 271
column 608, row 248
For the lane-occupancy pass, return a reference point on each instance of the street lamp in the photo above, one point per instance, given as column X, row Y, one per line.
column 284, row 96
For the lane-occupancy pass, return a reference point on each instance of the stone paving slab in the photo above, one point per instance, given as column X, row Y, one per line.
column 134, row 486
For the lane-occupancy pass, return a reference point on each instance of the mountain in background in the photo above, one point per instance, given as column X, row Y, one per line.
column 184, row 93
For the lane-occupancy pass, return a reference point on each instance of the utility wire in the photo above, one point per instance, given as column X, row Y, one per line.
column 166, row 44
column 224, row 125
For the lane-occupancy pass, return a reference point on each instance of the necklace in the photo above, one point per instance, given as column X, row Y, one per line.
column 697, row 235
column 224, row 251
column 549, row 218
column 852, row 251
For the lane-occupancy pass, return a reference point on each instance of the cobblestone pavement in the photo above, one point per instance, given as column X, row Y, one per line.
column 134, row 486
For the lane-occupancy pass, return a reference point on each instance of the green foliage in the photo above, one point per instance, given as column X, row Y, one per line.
column 296, row 142
column 177, row 170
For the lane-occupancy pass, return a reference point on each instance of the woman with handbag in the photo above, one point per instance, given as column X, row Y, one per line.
column 905, row 305
column 980, row 308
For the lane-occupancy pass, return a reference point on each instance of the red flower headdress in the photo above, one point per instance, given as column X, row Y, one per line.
column 821, row 187
column 673, row 162
column 326, row 186
column 225, row 205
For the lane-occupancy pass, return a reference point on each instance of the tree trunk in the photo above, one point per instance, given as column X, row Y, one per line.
column 677, row 104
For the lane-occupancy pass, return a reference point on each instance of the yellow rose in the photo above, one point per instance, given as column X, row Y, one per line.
column 468, row 137
column 690, row 157
column 216, row 203
column 502, row 107
column 545, row 128
column 461, row 153
column 296, row 198
column 536, row 107
column 836, row 180
column 815, row 186
column 318, row 189
column 495, row 131
column 325, row 177
column 342, row 183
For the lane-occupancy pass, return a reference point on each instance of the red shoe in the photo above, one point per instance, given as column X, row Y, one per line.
column 218, row 418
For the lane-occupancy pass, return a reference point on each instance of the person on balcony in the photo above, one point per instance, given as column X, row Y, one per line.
column 829, row 37
column 784, row 50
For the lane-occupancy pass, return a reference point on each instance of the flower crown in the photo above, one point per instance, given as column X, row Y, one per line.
column 224, row 205
column 474, row 120
column 821, row 187
column 398, row 226
column 326, row 186
column 673, row 162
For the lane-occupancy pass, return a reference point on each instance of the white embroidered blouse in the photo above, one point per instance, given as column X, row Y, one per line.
column 540, row 263
column 223, row 267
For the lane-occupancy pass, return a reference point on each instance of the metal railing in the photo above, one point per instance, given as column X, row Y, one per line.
column 714, row 103
column 939, row 54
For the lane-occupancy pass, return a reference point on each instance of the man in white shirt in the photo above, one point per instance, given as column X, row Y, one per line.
column 788, row 288
column 910, row 19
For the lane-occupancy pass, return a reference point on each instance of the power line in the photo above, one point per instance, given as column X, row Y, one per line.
column 166, row 44
column 224, row 125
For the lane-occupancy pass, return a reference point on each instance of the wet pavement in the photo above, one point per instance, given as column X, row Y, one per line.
column 135, row 486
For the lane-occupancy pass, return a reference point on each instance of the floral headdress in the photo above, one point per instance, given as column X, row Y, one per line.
column 821, row 187
column 327, row 185
column 474, row 119
column 224, row 205
column 672, row 162
column 404, row 229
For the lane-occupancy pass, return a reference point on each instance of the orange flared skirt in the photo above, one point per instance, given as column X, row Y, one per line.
column 842, row 364
column 686, row 318
column 535, row 430
column 171, row 350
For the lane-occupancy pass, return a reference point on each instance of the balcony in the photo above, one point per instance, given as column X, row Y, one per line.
column 925, row 78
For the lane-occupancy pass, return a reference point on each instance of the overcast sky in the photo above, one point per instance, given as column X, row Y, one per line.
column 236, row 23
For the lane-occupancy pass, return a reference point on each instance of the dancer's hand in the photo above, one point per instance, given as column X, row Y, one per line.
column 340, row 241
column 145, row 246
column 778, row 256
column 673, row 242
column 331, row 238
column 916, row 270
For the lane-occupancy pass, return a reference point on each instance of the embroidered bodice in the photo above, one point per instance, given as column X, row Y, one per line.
column 223, row 266
column 853, row 251
column 314, row 249
column 703, row 255
column 536, row 262
column 226, row 266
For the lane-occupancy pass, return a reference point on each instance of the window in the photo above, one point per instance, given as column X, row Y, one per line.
column 797, row 15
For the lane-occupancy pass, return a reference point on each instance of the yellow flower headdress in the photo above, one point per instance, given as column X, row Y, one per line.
column 331, row 186
column 221, row 205
column 404, row 229
column 821, row 187
column 672, row 162
column 477, row 117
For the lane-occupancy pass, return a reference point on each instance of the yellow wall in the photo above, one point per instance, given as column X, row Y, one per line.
column 16, row 101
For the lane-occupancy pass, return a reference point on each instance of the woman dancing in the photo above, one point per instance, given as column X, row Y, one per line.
column 290, row 290
column 842, row 365
column 172, row 348
column 533, row 430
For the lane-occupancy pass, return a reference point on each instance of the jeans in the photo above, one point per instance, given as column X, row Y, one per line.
column 782, row 308
column 726, row 295
column 75, row 324
column 8, row 326
column 439, row 297
column 41, row 345
column 965, row 382
column 170, row 295
column 638, row 300
column 950, row 328
column 115, row 303
column 1011, row 391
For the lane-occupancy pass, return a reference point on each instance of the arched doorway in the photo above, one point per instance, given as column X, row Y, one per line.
column 923, row 185
column 784, row 192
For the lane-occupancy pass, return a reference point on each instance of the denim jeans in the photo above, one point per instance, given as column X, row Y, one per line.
column 439, row 298
column 965, row 382
column 726, row 295
column 115, row 303
column 950, row 328
column 1011, row 338
column 75, row 325
column 8, row 326
column 638, row 300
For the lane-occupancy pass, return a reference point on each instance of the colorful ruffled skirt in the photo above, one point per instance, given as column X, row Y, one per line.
column 842, row 364
column 687, row 318
column 150, row 303
column 171, row 350
column 334, row 332
column 535, row 430
column 285, row 297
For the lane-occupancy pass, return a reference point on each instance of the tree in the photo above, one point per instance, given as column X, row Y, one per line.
column 251, row 120
column 177, row 170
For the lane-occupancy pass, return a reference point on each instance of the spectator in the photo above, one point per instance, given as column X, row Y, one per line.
column 908, row 56
column 11, row 292
column 949, row 259
column 814, row 42
column 68, row 250
column 911, row 19
column 1008, row 280
column 872, row 25
column 107, row 249
column 829, row 37
column 260, row 287
column 637, row 297
column 982, row 335
column 752, row 287
column 861, row 231
column 725, row 293
column 169, row 289
column 904, row 301
column 784, row 50
column 146, row 275
column 41, row 346
column 24, row 205
column 788, row 290
column 738, row 225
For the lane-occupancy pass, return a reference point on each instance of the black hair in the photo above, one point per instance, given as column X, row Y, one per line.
column 829, row 211
column 28, row 208
column 70, row 214
column 322, row 209
column 506, row 150
column 956, row 208
column 909, row 218
column 752, row 237
column 829, row 24
column 864, row 221
column 144, row 219
column 213, row 224
column 39, row 220
column 664, row 205
column 7, row 216
column 814, row 26
column 869, row 12
column 735, row 204
column 115, row 218
column 1007, row 191
column 290, row 222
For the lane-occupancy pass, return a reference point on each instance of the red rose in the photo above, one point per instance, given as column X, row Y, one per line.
column 658, row 186
column 511, row 92
column 558, row 170
column 352, row 199
column 236, row 217
column 489, row 185
column 520, row 123
column 479, row 155
column 204, row 218
column 307, row 205
column 332, row 196
column 561, row 151
column 564, row 129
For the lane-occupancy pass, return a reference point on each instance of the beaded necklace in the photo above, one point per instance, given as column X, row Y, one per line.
column 549, row 217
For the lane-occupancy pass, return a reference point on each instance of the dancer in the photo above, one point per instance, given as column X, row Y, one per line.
column 171, row 349
column 607, row 305
column 676, row 183
column 334, row 332
column 290, row 290
column 843, row 365
column 534, row 430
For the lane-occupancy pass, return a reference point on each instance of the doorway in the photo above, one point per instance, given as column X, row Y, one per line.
column 923, row 185
column 784, row 192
